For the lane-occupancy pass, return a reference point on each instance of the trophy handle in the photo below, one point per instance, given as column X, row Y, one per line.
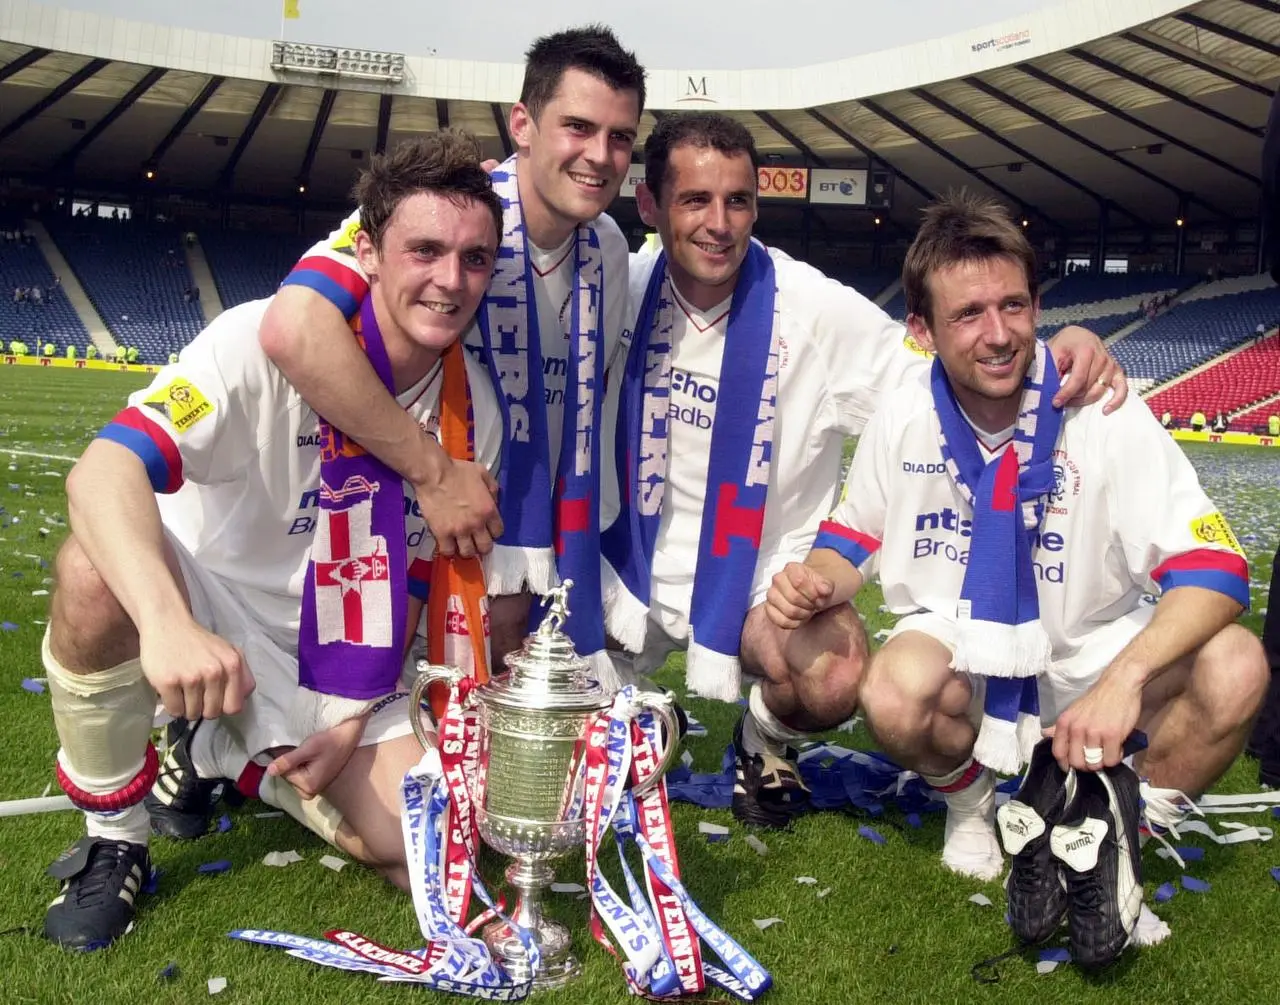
column 428, row 674
column 661, row 704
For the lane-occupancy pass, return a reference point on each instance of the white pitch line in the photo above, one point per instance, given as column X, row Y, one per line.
column 43, row 457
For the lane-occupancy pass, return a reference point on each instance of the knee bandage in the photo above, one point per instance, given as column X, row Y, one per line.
column 317, row 815
column 103, row 719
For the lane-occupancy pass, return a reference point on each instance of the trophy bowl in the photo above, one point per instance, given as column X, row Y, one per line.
column 528, row 785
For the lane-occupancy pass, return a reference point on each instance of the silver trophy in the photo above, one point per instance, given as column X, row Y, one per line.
column 533, row 730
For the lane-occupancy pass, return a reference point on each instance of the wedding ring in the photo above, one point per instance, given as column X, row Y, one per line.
column 1092, row 755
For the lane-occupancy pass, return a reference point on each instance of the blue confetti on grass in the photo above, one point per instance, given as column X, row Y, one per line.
column 168, row 973
column 224, row 824
column 32, row 685
column 1055, row 955
column 153, row 881
column 913, row 820
column 8, row 626
column 1165, row 892
column 1275, row 873
column 1275, row 812
column 717, row 838
column 1190, row 853
column 1195, row 885
column 871, row 834
column 213, row 868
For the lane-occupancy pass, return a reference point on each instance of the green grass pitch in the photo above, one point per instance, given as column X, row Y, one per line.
column 896, row 927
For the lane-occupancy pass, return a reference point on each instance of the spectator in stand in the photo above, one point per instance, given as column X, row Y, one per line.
column 1197, row 421
column 71, row 352
column 91, row 351
column 1166, row 420
column 173, row 358
column 120, row 354
column 37, row 295
column 131, row 354
column 1219, row 422
column 18, row 294
column 1273, row 425
column 50, row 349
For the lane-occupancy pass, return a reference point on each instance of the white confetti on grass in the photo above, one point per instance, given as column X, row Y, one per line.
column 217, row 985
column 1046, row 966
column 709, row 828
column 823, row 892
column 981, row 899
column 763, row 923
column 758, row 846
column 280, row 859
column 568, row 888
column 333, row 862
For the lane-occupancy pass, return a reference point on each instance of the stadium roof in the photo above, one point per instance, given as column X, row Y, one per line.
column 1066, row 108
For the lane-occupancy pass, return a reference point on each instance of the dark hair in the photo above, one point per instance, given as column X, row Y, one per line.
column 962, row 227
column 593, row 49
column 693, row 129
column 446, row 163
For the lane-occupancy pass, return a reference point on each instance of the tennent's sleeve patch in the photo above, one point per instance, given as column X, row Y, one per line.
column 181, row 402
column 912, row 345
column 1214, row 529
column 345, row 242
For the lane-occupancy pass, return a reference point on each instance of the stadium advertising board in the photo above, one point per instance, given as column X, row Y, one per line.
column 635, row 175
column 838, row 186
column 783, row 183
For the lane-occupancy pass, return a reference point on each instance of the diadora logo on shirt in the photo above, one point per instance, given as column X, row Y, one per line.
column 923, row 468
column 688, row 395
column 944, row 533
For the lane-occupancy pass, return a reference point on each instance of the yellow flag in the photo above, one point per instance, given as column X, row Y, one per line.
column 291, row 12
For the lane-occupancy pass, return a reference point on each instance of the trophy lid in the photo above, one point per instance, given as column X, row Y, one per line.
column 547, row 673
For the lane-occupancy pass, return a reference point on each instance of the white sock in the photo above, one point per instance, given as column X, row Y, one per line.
column 970, row 846
column 131, row 824
column 762, row 732
column 215, row 752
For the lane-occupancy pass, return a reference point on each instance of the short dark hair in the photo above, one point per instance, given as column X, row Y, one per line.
column 593, row 49
column 693, row 129
column 446, row 163
column 962, row 227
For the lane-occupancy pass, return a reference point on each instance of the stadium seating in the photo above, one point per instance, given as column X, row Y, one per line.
column 250, row 266
column 1247, row 376
column 1204, row 323
column 52, row 320
column 136, row 277
column 1255, row 420
column 1088, row 287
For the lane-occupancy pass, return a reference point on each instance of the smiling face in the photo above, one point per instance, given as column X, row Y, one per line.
column 430, row 272
column 982, row 325
column 575, row 155
column 704, row 215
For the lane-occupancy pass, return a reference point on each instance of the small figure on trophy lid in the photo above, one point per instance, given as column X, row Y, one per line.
column 558, row 611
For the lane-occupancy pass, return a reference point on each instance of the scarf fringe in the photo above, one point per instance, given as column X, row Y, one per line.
column 603, row 670
column 997, row 746
column 709, row 674
column 626, row 616
column 512, row 569
column 1028, row 733
column 313, row 712
column 993, row 649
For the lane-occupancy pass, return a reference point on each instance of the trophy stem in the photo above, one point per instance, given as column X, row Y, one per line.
column 530, row 876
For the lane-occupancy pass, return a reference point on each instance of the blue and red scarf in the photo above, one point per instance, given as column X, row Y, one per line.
column 551, row 529
column 999, row 635
column 737, row 476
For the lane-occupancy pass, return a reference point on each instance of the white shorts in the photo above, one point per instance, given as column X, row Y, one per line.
column 1066, row 679
column 264, row 721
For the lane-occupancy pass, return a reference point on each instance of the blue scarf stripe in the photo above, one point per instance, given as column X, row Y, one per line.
column 999, row 633
column 532, row 507
column 739, row 463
